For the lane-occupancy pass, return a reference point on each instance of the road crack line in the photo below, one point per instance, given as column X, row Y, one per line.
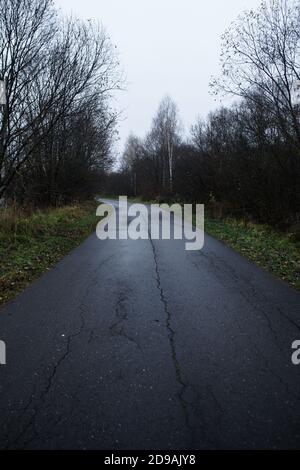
column 171, row 335
column 31, row 423
column 117, row 328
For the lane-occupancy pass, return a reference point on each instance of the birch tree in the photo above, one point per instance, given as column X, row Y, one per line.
column 164, row 136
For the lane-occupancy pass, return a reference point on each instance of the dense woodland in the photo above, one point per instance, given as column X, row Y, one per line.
column 57, row 124
column 58, row 127
column 243, row 160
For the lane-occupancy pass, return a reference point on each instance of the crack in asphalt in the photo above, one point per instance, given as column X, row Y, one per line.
column 41, row 399
column 37, row 437
column 22, row 411
column 31, row 424
column 266, row 364
column 179, row 376
column 171, row 335
column 243, row 292
column 117, row 328
column 259, row 295
column 82, row 308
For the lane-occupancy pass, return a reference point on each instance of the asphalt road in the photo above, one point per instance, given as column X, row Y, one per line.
column 143, row 345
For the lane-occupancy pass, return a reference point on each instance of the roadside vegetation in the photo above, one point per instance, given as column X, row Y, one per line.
column 272, row 250
column 31, row 243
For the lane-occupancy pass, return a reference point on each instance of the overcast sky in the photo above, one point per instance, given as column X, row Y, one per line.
column 165, row 46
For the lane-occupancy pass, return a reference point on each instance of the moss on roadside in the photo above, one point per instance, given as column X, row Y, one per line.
column 31, row 244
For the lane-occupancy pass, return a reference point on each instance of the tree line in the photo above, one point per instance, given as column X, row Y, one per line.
column 57, row 125
column 243, row 159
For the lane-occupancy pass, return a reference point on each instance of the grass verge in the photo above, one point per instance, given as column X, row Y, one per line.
column 272, row 250
column 31, row 244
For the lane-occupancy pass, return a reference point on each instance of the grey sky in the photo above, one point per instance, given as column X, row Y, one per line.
column 165, row 46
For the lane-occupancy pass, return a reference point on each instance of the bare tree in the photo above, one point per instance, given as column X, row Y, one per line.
column 25, row 28
column 50, row 65
column 260, row 57
column 132, row 153
column 131, row 158
column 163, row 137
